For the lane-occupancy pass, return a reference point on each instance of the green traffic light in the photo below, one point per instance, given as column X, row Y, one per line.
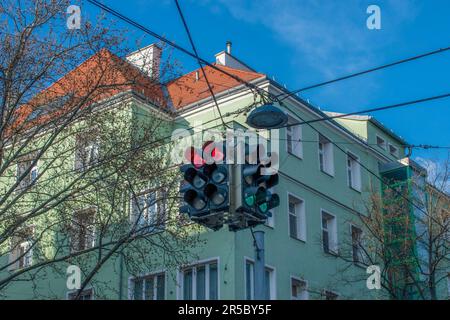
column 263, row 207
column 250, row 200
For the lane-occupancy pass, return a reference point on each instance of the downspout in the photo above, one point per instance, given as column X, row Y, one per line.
column 121, row 275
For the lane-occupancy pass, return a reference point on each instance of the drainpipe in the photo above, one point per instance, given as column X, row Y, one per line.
column 260, row 285
column 120, row 275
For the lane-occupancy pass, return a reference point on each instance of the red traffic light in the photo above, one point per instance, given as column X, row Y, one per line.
column 212, row 153
column 194, row 156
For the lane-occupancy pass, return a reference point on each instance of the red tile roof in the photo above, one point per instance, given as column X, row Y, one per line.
column 105, row 75
column 187, row 89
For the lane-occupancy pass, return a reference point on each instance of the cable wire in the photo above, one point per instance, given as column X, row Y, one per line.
column 174, row 45
column 139, row 26
column 427, row 54
column 393, row 106
column 198, row 60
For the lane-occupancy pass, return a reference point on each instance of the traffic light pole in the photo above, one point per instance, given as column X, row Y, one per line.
column 260, row 279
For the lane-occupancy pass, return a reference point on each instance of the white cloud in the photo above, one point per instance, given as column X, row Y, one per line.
column 331, row 36
column 438, row 172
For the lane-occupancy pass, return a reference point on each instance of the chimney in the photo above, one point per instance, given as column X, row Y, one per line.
column 148, row 59
column 229, row 47
column 225, row 58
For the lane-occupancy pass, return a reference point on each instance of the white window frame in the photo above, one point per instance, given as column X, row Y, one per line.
column 27, row 258
column 93, row 231
column 28, row 180
column 327, row 153
column 155, row 274
column 361, row 258
column 91, row 148
column 393, row 153
column 306, row 292
column 272, row 280
column 354, row 182
column 159, row 207
column 300, row 217
column 333, row 241
column 15, row 252
column 383, row 145
column 193, row 266
column 294, row 136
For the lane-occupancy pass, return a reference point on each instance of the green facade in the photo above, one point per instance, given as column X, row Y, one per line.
column 288, row 258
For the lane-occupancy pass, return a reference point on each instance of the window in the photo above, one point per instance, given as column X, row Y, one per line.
column 297, row 219
column 330, row 295
column 329, row 233
column 29, row 164
column 299, row 289
column 200, row 282
column 353, row 172
column 147, row 211
column 82, row 230
column 356, row 244
column 381, row 143
column 326, row 162
column 393, row 150
column 21, row 253
column 86, row 151
column 87, row 294
column 293, row 139
column 250, row 281
column 151, row 287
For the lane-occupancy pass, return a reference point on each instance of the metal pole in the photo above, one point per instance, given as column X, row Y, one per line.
column 260, row 279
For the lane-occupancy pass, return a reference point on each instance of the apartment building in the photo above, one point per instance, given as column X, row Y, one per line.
column 328, row 171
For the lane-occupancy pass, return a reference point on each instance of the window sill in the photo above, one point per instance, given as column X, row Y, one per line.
column 332, row 253
column 295, row 155
column 327, row 173
column 297, row 239
column 356, row 190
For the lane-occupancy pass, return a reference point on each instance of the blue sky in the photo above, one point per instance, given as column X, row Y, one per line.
column 303, row 42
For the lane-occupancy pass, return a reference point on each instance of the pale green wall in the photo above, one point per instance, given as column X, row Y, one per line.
column 289, row 257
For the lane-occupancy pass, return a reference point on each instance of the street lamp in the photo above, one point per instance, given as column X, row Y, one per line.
column 267, row 117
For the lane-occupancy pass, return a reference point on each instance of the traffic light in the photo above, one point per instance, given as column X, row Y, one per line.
column 206, row 185
column 256, row 199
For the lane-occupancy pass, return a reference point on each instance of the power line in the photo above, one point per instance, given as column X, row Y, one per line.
column 198, row 60
column 139, row 26
column 366, row 168
column 262, row 92
column 419, row 146
column 392, row 106
column 427, row 54
column 174, row 45
column 427, row 146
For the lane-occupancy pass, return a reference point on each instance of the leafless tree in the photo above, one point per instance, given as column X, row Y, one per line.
column 406, row 232
column 85, row 173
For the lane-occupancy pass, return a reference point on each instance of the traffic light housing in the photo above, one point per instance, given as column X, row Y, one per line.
column 255, row 199
column 205, row 190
